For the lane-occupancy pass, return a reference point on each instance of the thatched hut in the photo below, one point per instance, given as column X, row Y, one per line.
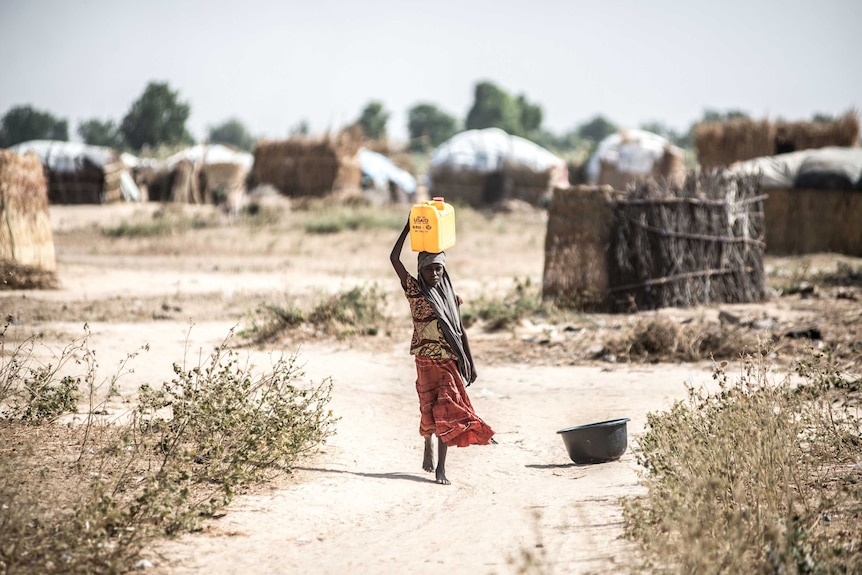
column 200, row 174
column 655, row 246
column 309, row 167
column 27, row 257
column 483, row 167
column 723, row 143
column 81, row 174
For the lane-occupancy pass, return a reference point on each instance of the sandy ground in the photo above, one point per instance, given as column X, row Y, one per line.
column 364, row 504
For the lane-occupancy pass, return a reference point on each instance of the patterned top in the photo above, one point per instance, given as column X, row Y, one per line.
column 428, row 339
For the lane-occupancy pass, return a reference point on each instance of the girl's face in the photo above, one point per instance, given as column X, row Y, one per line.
column 432, row 274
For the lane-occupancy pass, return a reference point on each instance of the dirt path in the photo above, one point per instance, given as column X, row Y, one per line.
column 364, row 505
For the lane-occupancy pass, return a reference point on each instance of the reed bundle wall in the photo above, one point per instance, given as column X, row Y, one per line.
column 26, row 239
column 793, row 136
column 800, row 221
column 656, row 246
column 723, row 143
column 303, row 167
column 580, row 222
column 479, row 188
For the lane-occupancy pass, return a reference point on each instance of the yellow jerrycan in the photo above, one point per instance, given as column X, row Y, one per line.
column 432, row 226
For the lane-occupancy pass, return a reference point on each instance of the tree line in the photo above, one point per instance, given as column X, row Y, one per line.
column 158, row 117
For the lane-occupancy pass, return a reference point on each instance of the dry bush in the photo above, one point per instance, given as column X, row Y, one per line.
column 760, row 477
column 88, row 498
column 357, row 311
column 660, row 339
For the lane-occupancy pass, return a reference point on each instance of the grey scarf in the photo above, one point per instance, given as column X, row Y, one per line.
column 445, row 305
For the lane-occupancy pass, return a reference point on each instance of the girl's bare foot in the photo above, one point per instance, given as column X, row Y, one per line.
column 442, row 448
column 428, row 458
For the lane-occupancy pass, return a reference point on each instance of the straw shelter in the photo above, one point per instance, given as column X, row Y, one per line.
column 27, row 257
column 219, row 180
column 670, row 167
column 308, row 167
column 627, row 156
column 723, row 143
column 185, row 187
column 656, row 246
column 468, row 186
column 793, row 136
column 483, row 167
column 81, row 174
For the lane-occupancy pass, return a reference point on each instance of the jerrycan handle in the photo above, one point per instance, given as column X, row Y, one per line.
column 437, row 201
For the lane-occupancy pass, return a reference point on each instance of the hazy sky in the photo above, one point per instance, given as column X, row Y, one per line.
column 272, row 63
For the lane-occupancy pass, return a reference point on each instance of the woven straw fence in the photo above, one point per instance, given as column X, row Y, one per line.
column 656, row 246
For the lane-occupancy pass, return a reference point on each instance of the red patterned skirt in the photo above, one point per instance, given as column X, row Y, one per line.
column 445, row 409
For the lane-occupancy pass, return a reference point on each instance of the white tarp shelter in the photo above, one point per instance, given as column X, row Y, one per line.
column 70, row 157
column 632, row 152
column 381, row 170
column 211, row 154
column 490, row 149
column 831, row 167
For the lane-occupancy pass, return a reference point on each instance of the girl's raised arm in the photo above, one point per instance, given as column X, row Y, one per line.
column 395, row 256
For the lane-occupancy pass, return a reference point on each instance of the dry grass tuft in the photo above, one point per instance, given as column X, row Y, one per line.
column 660, row 339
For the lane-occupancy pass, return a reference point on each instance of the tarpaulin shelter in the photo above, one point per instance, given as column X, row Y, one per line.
column 203, row 173
column 383, row 176
column 82, row 174
column 485, row 166
column 814, row 199
column 626, row 155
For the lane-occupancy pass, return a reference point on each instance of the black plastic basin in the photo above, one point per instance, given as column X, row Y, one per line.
column 596, row 442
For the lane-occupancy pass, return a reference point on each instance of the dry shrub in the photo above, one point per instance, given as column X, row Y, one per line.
column 359, row 311
column 89, row 498
column 660, row 339
column 759, row 477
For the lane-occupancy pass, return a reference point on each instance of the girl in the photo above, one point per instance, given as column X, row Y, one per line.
column 444, row 364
